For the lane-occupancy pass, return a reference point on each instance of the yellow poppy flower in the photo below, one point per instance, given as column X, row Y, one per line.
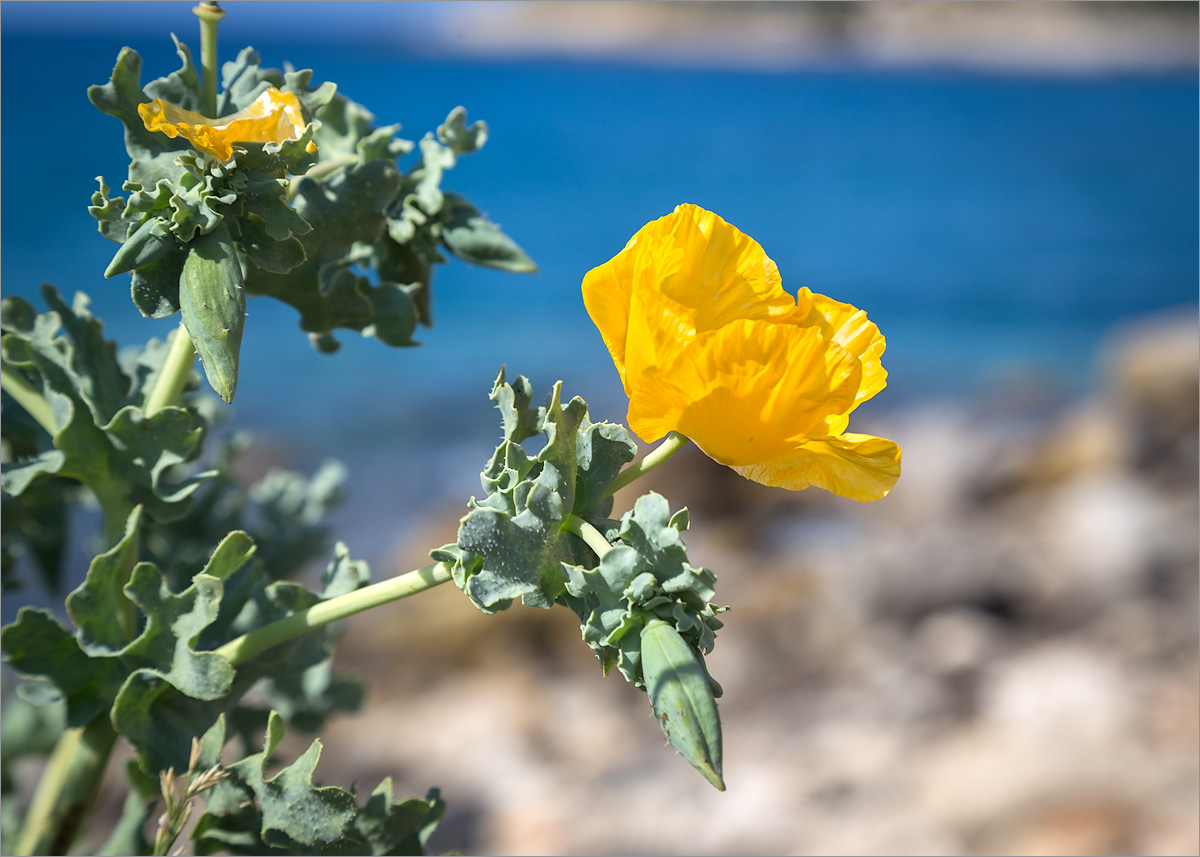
column 271, row 118
column 708, row 344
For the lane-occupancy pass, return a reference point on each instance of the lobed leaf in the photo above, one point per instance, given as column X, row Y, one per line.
column 102, row 439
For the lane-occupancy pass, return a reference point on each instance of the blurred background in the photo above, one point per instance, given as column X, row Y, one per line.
column 1001, row 656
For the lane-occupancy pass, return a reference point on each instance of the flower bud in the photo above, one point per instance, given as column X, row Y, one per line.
column 148, row 243
column 682, row 698
column 213, row 304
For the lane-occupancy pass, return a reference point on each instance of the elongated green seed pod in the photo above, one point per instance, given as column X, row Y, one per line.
column 148, row 243
column 213, row 304
column 682, row 699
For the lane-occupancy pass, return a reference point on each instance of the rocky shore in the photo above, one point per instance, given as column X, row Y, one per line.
column 1001, row 657
column 1041, row 36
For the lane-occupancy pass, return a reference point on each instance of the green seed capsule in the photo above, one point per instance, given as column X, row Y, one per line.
column 682, row 699
column 148, row 243
column 213, row 304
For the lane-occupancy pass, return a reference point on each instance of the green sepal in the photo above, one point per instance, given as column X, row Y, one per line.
column 678, row 686
column 155, row 286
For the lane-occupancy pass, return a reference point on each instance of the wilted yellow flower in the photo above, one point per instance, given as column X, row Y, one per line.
column 709, row 344
column 271, row 118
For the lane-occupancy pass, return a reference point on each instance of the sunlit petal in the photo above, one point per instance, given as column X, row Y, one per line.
column 606, row 294
column 857, row 466
column 849, row 327
column 273, row 117
column 748, row 392
column 719, row 273
column 707, row 343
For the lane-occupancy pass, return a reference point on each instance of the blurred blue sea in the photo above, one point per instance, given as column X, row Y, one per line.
column 992, row 225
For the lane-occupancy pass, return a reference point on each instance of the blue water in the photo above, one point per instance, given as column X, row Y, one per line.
column 989, row 224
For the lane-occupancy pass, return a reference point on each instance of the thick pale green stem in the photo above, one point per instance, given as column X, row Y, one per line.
column 67, row 788
column 290, row 627
column 210, row 14
column 174, row 373
column 31, row 400
column 670, row 445
column 591, row 536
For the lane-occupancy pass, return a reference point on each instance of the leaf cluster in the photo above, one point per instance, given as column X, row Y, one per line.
column 149, row 619
column 346, row 236
column 176, row 194
column 99, row 435
column 514, row 543
column 645, row 576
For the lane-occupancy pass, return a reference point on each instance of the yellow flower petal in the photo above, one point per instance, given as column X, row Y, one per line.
column 606, row 294
column 273, row 117
column 711, row 272
column 716, row 271
column 749, row 392
column 857, row 466
column 708, row 343
column 848, row 327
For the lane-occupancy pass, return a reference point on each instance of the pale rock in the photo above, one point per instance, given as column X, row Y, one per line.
column 957, row 639
column 1097, row 532
column 1058, row 693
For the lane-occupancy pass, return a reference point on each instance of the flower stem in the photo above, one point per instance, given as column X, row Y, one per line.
column 210, row 14
column 27, row 397
column 671, row 445
column 591, row 536
column 248, row 645
column 174, row 373
column 67, row 788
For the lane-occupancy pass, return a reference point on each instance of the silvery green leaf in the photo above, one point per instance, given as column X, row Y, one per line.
column 460, row 137
column 294, row 811
column 472, row 237
column 346, row 208
column 183, row 88
column 516, row 529
column 644, row 577
column 94, row 606
column 120, row 97
column 102, row 438
column 603, row 449
column 36, row 645
column 35, row 524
